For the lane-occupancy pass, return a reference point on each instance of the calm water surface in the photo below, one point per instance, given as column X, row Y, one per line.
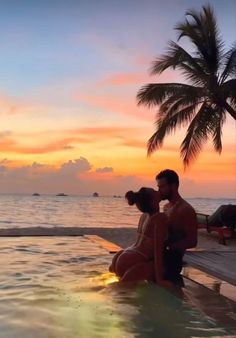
column 60, row 288
column 77, row 211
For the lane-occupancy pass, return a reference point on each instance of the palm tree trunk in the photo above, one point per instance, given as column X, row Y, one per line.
column 230, row 110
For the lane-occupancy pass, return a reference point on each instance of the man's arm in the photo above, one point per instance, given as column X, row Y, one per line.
column 190, row 227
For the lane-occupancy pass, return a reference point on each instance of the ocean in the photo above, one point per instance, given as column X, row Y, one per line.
column 17, row 211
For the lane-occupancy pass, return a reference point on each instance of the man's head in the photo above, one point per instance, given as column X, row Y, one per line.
column 168, row 183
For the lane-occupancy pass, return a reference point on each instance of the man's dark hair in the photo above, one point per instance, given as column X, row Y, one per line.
column 170, row 175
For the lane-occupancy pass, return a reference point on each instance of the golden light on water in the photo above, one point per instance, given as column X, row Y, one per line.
column 107, row 278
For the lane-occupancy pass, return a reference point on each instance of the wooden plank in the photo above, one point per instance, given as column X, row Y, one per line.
column 109, row 246
column 217, row 263
column 41, row 231
column 210, row 282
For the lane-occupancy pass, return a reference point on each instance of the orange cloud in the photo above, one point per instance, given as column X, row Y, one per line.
column 7, row 145
column 77, row 136
column 135, row 144
column 83, row 135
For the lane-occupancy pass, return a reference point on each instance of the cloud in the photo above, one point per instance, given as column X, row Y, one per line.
column 39, row 144
column 12, row 146
column 79, row 176
column 13, row 105
column 115, row 103
column 4, row 161
column 135, row 144
column 137, row 79
column 104, row 170
column 5, row 133
column 121, row 79
column 116, row 93
column 74, row 177
column 75, row 167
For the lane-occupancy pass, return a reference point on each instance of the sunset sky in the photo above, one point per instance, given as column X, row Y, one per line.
column 70, row 72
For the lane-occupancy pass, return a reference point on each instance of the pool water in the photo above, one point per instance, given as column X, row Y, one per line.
column 59, row 287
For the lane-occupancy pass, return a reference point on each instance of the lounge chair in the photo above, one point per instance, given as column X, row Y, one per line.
column 223, row 221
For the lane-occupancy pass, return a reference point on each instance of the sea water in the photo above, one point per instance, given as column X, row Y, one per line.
column 17, row 211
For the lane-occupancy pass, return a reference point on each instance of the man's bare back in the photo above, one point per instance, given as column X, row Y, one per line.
column 182, row 225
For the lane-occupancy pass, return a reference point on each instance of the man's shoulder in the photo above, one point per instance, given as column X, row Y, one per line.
column 186, row 206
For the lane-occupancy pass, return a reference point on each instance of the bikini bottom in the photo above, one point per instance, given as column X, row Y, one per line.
column 137, row 251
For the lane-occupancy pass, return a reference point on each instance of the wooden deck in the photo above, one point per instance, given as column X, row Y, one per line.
column 221, row 264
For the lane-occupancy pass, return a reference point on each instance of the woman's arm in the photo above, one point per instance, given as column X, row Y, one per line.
column 139, row 231
column 161, row 235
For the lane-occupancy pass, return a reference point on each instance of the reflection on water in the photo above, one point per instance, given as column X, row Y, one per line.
column 60, row 288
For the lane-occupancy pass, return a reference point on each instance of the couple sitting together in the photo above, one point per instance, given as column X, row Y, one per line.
column 163, row 237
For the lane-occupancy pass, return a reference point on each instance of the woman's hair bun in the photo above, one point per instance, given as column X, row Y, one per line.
column 131, row 197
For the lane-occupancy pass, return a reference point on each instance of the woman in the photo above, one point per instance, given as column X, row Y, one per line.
column 144, row 259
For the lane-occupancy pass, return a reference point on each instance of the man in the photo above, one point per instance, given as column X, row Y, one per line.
column 182, row 223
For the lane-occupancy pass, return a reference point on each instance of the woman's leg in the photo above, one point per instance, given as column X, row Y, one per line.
column 112, row 267
column 140, row 272
column 126, row 260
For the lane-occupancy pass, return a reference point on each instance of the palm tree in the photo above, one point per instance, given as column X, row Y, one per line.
column 209, row 95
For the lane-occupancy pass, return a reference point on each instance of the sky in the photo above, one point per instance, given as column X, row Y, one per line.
column 70, row 73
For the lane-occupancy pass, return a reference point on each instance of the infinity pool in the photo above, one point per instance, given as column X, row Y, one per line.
column 58, row 287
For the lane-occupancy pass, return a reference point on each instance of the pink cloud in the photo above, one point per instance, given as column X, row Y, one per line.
column 112, row 103
column 12, row 106
column 138, row 79
column 12, row 146
column 112, row 95
column 121, row 79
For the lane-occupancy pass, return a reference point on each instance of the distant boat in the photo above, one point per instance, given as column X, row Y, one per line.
column 115, row 196
column 61, row 194
column 35, row 194
column 95, row 194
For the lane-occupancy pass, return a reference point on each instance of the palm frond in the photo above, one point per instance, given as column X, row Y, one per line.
column 178, row 58
column 198, row 132
column 203, row 33
column 175, row 104
column 229, row 63
column 168, row 125
column 228, row 89
column 217, row 131
column 155, row 93
column 194, row 77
